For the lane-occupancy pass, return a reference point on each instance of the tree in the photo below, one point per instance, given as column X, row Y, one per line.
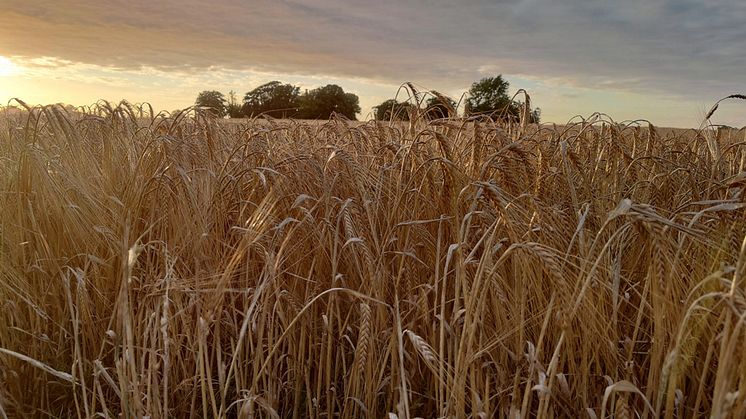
column 489, row 96
column 389, row 108
column 274, row 99
column 214, row 101
column 440, row 106
column 322, row 102
column 234, row 108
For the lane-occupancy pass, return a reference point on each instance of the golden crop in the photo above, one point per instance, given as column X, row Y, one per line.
column 180, row 266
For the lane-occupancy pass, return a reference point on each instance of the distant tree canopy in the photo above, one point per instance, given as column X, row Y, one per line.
column 213, row 100
column 234, row 108
column 440, row 106
column 322, row 102
column 391, row 109
column 274, row 99
column 489, row 96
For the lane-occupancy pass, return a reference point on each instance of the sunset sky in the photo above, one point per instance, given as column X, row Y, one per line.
column 667, row 61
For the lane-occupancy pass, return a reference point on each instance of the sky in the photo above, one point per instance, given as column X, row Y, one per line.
column 666, row 61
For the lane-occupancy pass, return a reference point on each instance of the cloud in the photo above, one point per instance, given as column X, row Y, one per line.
column 667, row 48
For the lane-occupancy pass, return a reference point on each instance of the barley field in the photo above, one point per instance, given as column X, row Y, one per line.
column 180, row 266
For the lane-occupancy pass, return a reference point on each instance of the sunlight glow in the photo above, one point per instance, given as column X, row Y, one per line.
column 7, row 68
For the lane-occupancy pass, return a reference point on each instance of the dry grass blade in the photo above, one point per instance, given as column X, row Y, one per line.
column 40, row 365
column 623, row 386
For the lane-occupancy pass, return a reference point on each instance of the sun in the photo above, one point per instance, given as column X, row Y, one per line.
column 7, row 67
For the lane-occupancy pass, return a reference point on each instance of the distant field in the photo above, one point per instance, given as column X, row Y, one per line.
column 203, row 268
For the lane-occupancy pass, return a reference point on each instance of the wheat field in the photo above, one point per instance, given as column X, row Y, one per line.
column 179, row 266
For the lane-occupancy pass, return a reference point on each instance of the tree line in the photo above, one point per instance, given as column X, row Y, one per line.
column 282, row 100
column 487, row 97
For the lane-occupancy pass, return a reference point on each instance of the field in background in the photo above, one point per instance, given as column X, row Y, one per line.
column 185, row 266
